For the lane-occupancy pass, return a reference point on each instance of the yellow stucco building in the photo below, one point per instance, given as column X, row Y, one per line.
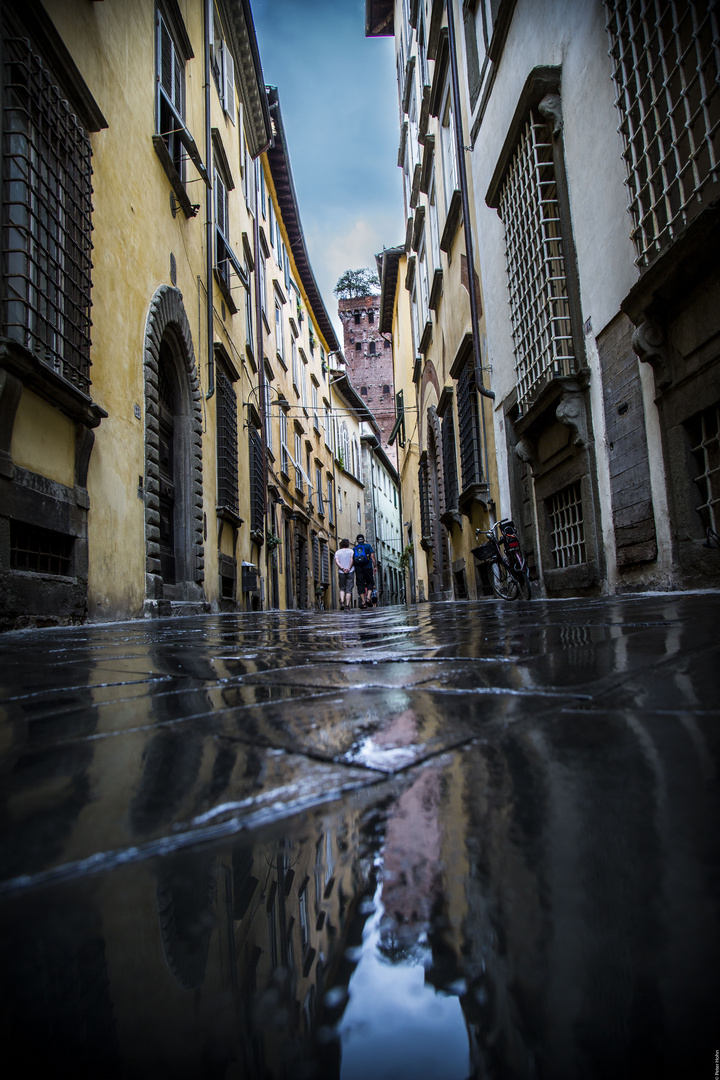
column 167, row 438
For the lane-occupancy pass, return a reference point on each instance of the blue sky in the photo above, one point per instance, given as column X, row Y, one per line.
column 338, row 97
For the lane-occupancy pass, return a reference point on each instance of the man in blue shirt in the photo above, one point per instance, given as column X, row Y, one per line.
column 364, row 565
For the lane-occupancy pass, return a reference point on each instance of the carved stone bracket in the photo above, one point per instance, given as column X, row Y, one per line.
column 650, row 344
column 551, row 108
column 571, row 412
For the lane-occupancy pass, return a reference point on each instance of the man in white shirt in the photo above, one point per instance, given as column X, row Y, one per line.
column 346, row 574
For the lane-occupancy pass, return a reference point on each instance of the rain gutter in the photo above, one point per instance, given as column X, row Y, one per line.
column 209, row 208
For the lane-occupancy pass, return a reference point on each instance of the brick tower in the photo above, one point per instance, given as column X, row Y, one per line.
column 370, row 362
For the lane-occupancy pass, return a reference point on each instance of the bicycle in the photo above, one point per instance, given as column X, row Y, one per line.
column 509, row 574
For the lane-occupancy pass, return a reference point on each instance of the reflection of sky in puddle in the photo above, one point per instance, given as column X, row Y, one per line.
column 396, row 1026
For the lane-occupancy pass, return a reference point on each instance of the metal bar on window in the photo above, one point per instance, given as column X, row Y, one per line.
column 539, row 304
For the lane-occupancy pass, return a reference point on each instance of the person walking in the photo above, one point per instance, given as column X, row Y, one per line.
column 365, row 567
column 346, row 575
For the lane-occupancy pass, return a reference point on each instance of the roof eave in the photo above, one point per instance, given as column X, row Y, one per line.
column 279, row 162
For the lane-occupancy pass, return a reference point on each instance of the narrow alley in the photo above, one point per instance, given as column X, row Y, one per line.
column 441, row 841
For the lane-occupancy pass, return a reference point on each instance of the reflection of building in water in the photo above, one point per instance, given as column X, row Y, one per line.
column 204, row 957
column 587, row 935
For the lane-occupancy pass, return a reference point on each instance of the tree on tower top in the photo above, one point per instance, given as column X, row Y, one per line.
column 357, row 283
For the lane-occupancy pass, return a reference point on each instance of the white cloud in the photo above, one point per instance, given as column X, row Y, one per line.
column 333, row 251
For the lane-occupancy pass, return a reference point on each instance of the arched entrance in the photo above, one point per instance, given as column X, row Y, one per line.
column 174, row 540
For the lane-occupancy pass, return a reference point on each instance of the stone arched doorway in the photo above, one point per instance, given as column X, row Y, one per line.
column 174, row 540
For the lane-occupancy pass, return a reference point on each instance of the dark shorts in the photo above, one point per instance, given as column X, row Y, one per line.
column 346, row 581
column 365, row 576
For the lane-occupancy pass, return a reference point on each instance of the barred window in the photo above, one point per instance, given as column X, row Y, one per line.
column 665, row 70
column 567, row 528
column 257, row 486
column 449, row 459
column 704, row 434
column 227, row 444
column 40, row 551
column 469, row 426
column 46, row 219
column 539, row 305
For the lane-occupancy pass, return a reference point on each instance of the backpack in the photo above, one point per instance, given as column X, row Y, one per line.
column 360, row 553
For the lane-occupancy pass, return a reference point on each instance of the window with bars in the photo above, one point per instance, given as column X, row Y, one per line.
column 449, row 460
column 537, row 280
column 257, row 485
column 46, row 218
column 665, row 58
column 469, row 426
column 703, row 432
column 39, row 550
column 227, row 444
column 567, row 529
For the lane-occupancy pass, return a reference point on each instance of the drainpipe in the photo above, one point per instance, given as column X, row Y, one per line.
column 209, row 207
column 260, row 348
column 460, row 143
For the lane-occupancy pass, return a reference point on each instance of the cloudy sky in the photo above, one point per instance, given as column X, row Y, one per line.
column 338, row 97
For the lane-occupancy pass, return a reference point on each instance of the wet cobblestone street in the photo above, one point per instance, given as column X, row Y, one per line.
column 447, row 841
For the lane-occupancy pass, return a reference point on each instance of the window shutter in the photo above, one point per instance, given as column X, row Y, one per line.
column 229, row 80
column 220, row 206
column 166, row 60
column 286, row 268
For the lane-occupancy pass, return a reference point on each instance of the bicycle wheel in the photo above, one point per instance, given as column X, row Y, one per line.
column 522, row 580
column 503, row 584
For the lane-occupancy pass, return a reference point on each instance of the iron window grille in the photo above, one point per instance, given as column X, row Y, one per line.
column 704, row 434
column 40, row 551
column 227, row 444
column 665, row 69
column 257, row 485
column 567, row 528
column 449, row 460
column 46, row 219
column 469, row 426
column 539, row 303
